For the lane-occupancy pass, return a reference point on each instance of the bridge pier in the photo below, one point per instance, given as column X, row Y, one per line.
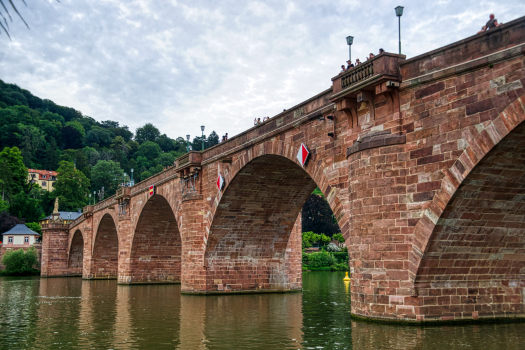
column 54, row 250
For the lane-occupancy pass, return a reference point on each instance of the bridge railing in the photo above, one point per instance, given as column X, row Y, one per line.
column 105, row 203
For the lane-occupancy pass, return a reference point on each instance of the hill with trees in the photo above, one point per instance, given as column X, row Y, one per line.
column 87, row 154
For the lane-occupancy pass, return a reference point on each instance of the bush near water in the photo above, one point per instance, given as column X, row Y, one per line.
column 19, row 262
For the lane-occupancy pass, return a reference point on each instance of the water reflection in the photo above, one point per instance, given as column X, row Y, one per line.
column 74, row 314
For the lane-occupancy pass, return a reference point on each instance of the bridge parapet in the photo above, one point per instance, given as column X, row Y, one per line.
column 368, row 75
column 478, row 46
column 105, row 203
column 77, row 221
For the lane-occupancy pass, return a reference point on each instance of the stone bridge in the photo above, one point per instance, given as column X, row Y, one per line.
column 421, row 160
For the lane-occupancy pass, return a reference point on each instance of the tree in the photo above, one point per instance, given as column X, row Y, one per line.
column 14, row 173
column 98, row 137
column 212, row 140
column 150, row 150
column 34, row 226
column 166, row 159
column 26, row 208
column 339, row 237
column 71, row 187
column 20, row 262
column 165, row 143
column 71, row 137
column 107, row 174
column 318, row 217
column 147, row 133
column 8, row 221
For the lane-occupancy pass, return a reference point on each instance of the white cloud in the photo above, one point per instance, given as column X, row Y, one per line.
column 182, row 64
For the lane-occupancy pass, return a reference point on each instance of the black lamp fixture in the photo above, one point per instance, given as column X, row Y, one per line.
column 331, row 134
column 330, row 117
column 321, row 119
column 350, row 41
column 202, row 129
column 399, row 13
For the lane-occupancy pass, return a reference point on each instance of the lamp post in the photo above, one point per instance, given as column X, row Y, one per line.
column 131, row 181
column 90, row 199
column 202, row 129
column 94, row 197
column 350, row 41
column 399, row 13
column 188, row 145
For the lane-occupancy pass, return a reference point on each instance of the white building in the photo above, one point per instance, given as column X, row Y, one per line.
column 19, row 236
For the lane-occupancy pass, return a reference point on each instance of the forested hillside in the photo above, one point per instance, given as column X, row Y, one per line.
column 88, row 155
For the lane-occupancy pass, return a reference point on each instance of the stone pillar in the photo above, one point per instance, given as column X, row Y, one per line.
column 125, row 229
column 54, row 250
column 193, row 277
column 293, row 258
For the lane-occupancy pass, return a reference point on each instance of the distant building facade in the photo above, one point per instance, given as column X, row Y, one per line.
column 45, row 178
column 65, row 217
column 19, row 236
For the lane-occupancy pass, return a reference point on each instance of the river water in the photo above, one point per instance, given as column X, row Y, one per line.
column 68, row 313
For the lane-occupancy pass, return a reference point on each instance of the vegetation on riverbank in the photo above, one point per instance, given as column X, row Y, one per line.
column 20, row 263
column 325, row 261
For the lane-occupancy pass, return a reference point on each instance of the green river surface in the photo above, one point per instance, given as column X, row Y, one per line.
column 69, row 313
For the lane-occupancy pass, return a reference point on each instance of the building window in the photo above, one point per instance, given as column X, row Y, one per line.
column 43, row 176
column 52, row 184
column 44, row 184
column 10, row 240
column 26, row 239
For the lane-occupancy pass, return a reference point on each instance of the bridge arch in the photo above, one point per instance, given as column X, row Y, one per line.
column 250, row 233
column 105, row 249
column 470, row 243
column 75, row 261
column 330, row 175
column 156, row 246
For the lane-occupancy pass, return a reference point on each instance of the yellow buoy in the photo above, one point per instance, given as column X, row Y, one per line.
column 346, row 277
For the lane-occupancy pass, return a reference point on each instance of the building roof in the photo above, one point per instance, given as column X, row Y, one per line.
column 66, row 215
column 42, row 172
column 22, row 230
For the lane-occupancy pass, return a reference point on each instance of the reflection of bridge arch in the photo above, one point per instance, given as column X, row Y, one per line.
column 251, row 232
column 156, row 245
column 76, row 254
column 472, row 236
column 105, row 250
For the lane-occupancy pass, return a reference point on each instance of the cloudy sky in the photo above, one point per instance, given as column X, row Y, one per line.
column 182, row 64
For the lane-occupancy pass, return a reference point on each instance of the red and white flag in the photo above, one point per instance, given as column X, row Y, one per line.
column 302, row 155
column 220, row 182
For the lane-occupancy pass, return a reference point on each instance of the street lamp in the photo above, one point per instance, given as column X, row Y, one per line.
column 94, row 197
column 188, row 146
column 202, row 129
column 90, row 199
column 131, row 181
column 399, row 13
column 350, row 41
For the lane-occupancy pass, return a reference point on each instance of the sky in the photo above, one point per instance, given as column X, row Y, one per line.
column 183, row 64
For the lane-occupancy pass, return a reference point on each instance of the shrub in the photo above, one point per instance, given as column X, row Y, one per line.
column 321, row 258
column 331, row 247
column 342, row 257
column 20, row 262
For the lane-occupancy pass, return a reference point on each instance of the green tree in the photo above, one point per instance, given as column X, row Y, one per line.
column 147, row 133
column 107, row 174
column 212, row 140
column 149, row 150
column 34, row 226
column 166, row 159
column 14, row 173
column 71, row 187
column 339, row 237
column 26, row 208
column 20, row 262
column 144, row 175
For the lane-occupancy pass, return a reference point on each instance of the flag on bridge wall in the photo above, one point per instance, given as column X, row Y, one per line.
column 152, row 190
column 220, row 182
column 302, row 155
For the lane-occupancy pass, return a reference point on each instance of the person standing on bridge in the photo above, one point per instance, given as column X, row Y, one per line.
column 343, row 69
column 492, row 23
